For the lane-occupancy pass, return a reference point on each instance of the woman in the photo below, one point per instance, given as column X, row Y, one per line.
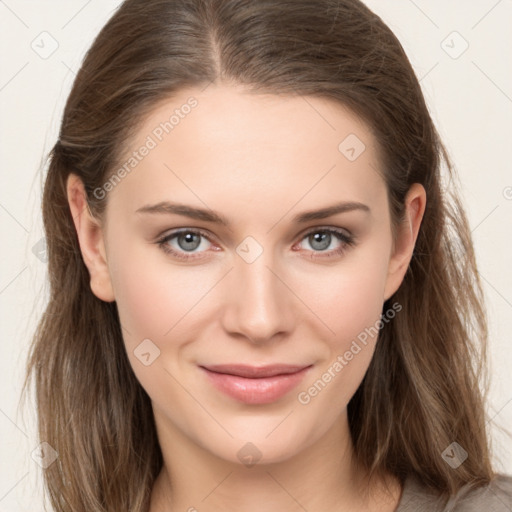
column 262, row 297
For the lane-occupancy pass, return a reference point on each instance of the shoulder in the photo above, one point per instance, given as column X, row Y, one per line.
column 495, row 497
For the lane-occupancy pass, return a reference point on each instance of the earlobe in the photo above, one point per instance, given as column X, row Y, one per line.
column 407, row 234
column 91, row 239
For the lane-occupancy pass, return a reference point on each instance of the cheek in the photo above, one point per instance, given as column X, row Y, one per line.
column 157, row 306
column 348, row 299
column 350, row 296
column 153, row 298
column 353, row 316
column 353, row 311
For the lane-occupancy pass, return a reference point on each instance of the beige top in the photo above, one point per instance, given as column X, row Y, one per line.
column 496, row 497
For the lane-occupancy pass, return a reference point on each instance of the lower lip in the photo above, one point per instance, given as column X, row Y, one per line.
column 256, row 391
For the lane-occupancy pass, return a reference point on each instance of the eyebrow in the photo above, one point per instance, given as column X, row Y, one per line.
column 170, row 208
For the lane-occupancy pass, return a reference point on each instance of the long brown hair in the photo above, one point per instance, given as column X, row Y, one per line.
column 427, row 382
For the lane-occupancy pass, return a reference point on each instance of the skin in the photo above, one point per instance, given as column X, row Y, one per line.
column 258, row 160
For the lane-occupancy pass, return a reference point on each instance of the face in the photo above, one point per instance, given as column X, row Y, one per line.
column 242, row 272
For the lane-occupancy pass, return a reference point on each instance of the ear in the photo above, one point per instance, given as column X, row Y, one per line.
column 407, row 233
column 90, row 237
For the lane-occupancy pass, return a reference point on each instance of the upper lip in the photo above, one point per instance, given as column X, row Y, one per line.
column 255, row 371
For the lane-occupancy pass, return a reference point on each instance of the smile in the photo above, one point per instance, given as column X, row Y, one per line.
column 256, row 389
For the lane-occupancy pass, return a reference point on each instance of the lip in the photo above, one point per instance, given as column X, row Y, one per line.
column 255, row 385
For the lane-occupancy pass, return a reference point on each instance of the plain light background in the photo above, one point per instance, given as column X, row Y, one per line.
column 469, row 93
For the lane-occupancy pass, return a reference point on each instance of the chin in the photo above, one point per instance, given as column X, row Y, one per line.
column 259, row 450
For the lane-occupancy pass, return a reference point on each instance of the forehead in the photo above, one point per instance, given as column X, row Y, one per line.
column 226, row 143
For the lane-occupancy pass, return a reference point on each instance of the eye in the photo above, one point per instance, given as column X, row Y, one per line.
column 185, row 243
column 320, row 239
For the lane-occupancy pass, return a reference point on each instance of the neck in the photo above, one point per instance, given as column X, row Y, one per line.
column 322, row 477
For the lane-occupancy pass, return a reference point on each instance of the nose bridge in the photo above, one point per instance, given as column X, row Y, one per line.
column 257, row 302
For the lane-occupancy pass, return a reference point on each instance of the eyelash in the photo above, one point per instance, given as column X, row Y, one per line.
column 347, row 241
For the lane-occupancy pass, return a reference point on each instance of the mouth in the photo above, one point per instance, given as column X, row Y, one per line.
column 255, row 385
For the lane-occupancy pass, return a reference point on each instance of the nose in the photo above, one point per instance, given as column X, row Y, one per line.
column 258, row 303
